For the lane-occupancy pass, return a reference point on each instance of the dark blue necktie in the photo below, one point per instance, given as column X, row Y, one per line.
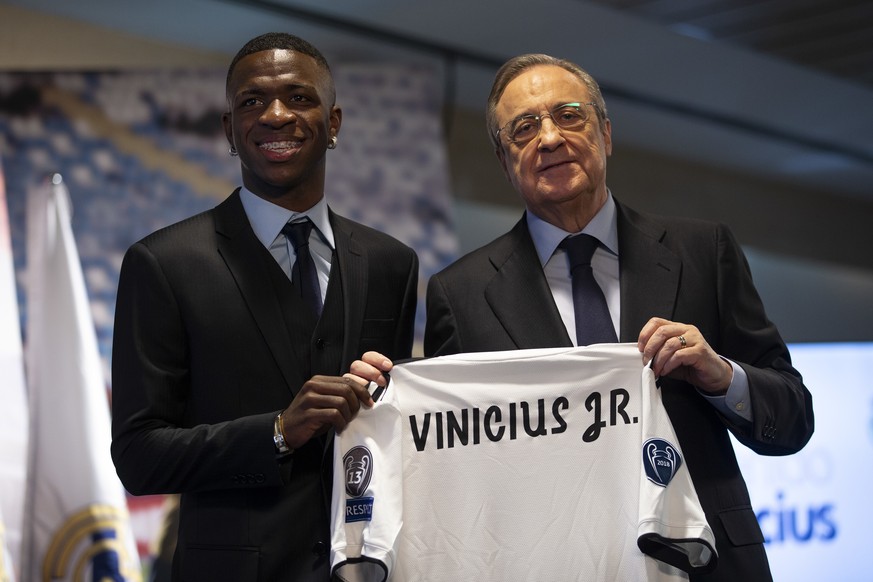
column 303, row 274
column 593, row 324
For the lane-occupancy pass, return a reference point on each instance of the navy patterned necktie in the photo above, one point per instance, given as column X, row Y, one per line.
column 593, row 324
column 303, row 274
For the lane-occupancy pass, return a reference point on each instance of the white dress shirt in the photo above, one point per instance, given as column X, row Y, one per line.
column 605, row 265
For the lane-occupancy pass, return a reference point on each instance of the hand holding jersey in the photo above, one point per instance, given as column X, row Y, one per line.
column 556, row 464
column 371, row 368
column 659, row 342
column 680, row 351
column 323, row 402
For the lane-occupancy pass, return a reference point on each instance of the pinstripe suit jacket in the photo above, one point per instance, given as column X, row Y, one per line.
column 207, row 350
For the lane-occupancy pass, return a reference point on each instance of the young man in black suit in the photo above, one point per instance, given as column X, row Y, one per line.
column 230, row 339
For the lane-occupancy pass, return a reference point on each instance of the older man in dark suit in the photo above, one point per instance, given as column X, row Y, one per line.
column 679, row 288
column 232, row 329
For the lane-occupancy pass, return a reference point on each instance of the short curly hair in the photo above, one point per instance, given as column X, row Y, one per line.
column 280, row 41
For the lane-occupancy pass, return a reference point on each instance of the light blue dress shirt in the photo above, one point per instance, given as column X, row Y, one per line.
column 268, row 219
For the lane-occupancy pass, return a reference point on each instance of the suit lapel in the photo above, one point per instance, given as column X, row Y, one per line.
column 351, row 265
column 649, row 273
column 243, row 254
column 352, row 259
column 519, row 294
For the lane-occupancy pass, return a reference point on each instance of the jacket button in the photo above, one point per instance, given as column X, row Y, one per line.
column 319, row 548
column 319, row 343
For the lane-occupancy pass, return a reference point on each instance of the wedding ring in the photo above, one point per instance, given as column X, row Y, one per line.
column 682, row 342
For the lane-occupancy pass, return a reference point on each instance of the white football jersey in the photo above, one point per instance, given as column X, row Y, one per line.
column 528, row 465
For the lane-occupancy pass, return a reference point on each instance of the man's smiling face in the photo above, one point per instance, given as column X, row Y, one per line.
column 281, row 116
column 557, row 166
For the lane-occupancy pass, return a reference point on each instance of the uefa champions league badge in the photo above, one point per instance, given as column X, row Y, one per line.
column 661, row 460
column 358, row 469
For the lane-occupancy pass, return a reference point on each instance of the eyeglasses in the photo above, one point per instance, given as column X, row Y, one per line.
column 570, row 116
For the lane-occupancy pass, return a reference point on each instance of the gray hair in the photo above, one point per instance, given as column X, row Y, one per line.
column 516, row 66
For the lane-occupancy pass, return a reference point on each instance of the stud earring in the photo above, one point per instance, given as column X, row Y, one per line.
column 232, row 151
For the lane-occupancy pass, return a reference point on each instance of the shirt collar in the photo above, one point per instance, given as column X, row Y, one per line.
column 267, row 219
column 604, row 227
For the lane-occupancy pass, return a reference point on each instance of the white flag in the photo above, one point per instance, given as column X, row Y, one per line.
column 13, row 412
column 76, row 526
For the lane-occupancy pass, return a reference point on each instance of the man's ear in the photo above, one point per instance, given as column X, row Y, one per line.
column 228, row 127
column 501, row 156
column 336, row 120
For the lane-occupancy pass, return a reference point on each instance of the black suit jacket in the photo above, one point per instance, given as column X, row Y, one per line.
column 204, row 357
column 497, row 298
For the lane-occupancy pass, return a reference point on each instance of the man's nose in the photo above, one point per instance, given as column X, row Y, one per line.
column 550, row 135
column 277, row 114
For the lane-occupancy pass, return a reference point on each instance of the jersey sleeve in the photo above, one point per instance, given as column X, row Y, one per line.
column 367, row 502
column 673, row 528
